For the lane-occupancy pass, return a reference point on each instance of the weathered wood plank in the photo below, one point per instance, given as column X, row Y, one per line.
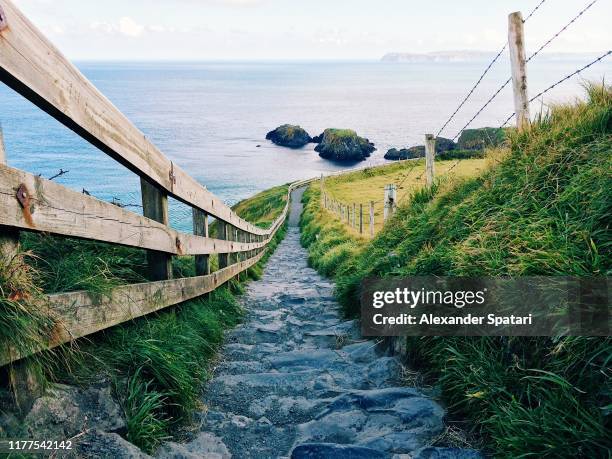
column 33, row 67
column 80, row 314
column 58, row 210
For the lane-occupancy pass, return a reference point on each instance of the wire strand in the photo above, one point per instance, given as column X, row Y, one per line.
column 483, row 107
column 469, row 94
column 471, row 91
column 533, row 11
column 551, row 39
column 567, row 77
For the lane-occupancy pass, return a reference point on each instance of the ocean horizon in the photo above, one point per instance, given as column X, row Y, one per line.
column 211, row 117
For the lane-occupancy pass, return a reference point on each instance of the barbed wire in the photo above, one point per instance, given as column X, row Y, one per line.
column 414, row 165
column 551, row 39
column 483, row 107
column 471, row 91
column 533, row 11
column 497, row 56
column 567, row 77
column 59, row 174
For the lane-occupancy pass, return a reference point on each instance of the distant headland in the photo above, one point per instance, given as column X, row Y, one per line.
column 466, row 56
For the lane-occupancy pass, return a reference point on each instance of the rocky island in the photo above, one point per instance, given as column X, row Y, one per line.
column 343, row 145
column 289, row 135
column 471, row 143
column 442, row 145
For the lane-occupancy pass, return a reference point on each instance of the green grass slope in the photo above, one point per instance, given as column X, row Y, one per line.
column 543, row 209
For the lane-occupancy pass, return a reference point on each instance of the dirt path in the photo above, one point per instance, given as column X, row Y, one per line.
column 295, row 380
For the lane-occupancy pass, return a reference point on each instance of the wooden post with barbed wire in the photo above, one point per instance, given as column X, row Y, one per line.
column 360, row 218
column 430, row 156
column 371, row 218
column 518, row 65
column 390, row 200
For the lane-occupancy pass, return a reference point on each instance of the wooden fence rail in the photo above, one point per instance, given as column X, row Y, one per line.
column 34, row 68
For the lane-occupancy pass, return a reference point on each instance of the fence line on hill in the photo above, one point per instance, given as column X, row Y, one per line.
column 518, row 78
column 35, row 69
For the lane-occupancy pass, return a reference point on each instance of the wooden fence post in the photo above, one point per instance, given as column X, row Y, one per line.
column 155, row 207
column 22, row 376
column 238, row 255
column 360, row 218
column 354, row 213
column 516, row 44
column 322, row 189
column 200, row 228
column 390, row 200
column 371, row 218
column 430, row 153
column 222, row 233
column 235, row 257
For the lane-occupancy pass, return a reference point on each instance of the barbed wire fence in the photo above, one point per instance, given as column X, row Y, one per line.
column 580, row 13
column 518, row 63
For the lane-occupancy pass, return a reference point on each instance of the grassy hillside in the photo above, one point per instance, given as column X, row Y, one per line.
column 369, row 184
column 156, row 364
column 263, row 208
column 543, row 208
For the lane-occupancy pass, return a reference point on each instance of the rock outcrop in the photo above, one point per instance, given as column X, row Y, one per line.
column 442, row 146
column 289, row 135
column 479, row 139
column 405, row 153
column 343, row 145
column 65, row 411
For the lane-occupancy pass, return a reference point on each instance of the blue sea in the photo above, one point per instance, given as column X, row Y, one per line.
column 211, row 118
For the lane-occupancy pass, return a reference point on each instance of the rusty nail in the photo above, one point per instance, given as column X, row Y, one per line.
column 23, row 196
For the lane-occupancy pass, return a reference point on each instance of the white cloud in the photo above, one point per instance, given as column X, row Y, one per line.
column 125, row 26
column 129, row 27
column 103, row 27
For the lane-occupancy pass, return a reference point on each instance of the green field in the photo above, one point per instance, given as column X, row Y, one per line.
column 369, row 184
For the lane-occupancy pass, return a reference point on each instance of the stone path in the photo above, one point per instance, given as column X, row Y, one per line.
column 295, row 380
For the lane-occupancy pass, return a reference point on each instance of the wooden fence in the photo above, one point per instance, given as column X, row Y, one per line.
column 34, row 68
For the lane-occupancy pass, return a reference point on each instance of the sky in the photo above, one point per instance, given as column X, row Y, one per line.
column 304, row 29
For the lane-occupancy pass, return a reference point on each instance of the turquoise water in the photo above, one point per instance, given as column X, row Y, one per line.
column 210, row 117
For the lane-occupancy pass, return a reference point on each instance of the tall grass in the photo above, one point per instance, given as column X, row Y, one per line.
column 157, row 364
column 543, row 208
column 23, row 326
